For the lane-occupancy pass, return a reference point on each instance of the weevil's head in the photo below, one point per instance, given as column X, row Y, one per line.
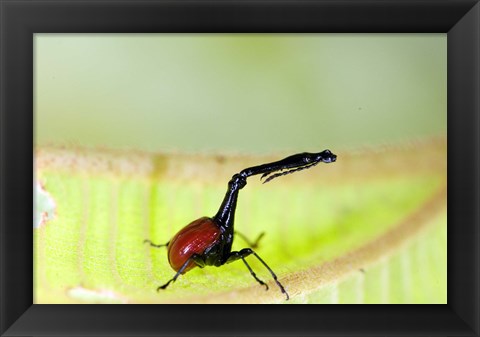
column 327, row 156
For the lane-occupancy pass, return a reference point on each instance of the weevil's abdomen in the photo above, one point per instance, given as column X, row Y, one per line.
column 194, row 238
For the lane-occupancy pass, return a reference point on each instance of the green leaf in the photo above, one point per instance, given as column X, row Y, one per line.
column 370, row 228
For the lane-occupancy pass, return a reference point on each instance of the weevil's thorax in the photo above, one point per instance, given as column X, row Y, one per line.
column 217, row 254
column 226, row 247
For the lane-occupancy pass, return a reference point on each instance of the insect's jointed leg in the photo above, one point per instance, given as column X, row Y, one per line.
column 195, row 258
column 273, row 275
column 155, row 245
column 251, row 244
column 234, row 256
column 246, row 252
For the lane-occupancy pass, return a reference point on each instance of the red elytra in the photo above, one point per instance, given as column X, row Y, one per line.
column 194, row 238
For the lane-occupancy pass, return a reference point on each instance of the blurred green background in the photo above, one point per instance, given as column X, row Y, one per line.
column 248, row 93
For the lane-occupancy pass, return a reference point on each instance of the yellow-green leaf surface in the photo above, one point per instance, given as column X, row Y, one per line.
column 369, row 228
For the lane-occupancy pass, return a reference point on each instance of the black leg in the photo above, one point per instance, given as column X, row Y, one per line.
column 273, row 275
column 234, row 256
column 246, row 252
column 195, row 258
column 154, row 245
column 251, row 244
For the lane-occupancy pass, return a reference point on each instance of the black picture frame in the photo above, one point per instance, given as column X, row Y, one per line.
column 19, row 20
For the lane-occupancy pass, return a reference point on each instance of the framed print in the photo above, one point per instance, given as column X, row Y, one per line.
column 351, row 227
column 148, row 116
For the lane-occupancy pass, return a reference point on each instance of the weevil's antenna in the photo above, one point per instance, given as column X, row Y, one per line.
column 276, row 175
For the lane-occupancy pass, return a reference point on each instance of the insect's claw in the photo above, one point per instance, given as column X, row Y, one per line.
column 165, row 285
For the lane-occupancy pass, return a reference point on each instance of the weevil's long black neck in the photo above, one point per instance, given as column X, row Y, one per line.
column 226, row 214
column 295, row 161
column 289, row 162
